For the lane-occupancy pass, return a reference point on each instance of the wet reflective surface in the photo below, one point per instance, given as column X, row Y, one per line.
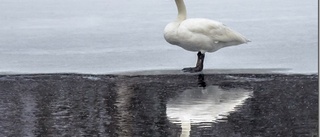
column 239, row 105
column 201, row 105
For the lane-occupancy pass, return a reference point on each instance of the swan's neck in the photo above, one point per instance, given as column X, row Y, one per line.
column 182, row 12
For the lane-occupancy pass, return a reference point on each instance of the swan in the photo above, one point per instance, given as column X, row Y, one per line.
column 199, row 35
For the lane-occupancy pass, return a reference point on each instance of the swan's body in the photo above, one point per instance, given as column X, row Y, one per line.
column 200, row 35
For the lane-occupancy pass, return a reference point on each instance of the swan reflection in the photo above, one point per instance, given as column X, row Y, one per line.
column 199, row 105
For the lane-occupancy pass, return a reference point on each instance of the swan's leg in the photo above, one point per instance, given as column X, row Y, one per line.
column 199, row 65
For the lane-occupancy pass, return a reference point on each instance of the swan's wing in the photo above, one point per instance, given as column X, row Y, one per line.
column 216, row 31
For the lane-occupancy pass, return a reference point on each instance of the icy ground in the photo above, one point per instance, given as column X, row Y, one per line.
column 107, row 36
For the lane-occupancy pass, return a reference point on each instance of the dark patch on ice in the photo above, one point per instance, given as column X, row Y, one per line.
column 140, row 105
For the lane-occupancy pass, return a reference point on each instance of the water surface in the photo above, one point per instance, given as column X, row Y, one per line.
column 239, row 105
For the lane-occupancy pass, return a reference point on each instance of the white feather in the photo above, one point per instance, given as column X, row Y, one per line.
column 200, row 34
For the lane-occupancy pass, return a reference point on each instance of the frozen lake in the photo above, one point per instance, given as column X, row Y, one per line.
column 224, row 105
column 104, row 36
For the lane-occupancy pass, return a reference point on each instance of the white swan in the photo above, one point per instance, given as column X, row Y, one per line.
column 200, row 35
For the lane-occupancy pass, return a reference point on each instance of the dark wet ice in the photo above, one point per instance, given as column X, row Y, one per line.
column 159, row 105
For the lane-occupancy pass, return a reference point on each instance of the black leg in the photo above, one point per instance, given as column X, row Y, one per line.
column 199, row 65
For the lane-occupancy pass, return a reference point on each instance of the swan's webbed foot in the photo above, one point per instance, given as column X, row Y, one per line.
column 199, row 65
column 192, row 69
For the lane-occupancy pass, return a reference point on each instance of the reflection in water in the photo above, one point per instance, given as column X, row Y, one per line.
column 80, row 105
column 123, row 102
column 204, row 104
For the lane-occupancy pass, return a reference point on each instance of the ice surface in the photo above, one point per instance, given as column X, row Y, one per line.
column 104, row 36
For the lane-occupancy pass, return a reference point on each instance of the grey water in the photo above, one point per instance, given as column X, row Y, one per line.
column 107, row 36
column 212, row 105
